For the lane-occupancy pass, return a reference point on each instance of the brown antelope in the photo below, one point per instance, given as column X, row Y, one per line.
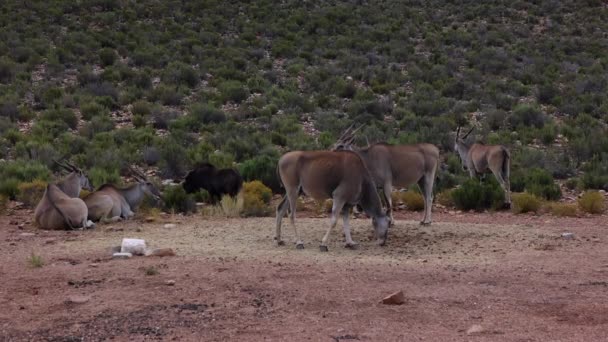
column 56, row 210
column 397, row 165
column 341, row 176
column 480, row 159
column 111, row 203
column 75, row 181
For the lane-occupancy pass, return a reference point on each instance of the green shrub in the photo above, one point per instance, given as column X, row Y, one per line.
column 201, row 196
column 30, row 193
column 206, row 114
column 107, row 56
column 446, row 198
column 526, row 115
column 99, row 176
column 3, row 203
column 91, row 109
column 64, row 115
column 24, row 171
column 256, row 199
column 233, row 91
column 525, row 202
column 592, row 202
column 536, row 181
column 176, row 199
column 141, row 108
column 475, row 196
column 9, row 187
column 263, row 168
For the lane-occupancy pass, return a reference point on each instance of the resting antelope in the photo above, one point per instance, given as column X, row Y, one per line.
column 479, row 159
column 56, row 210
column 111, row 203
column 341, row 176
column 398, row 165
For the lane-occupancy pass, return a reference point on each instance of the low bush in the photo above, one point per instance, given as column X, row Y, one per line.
column 263, row 168
column 473, row 195
column 412, row 200
column 525, row 202
column 63, row 115
column 592, row 202
column 256, row 199
column 562, row 209
column 99, row 176
column 30, row 193
column 3, row 203
column 445, row 198
column 9, row 187
column 176, row 199
column 536, row 181
column 107, row 56
column 91, row 109
column 201, row 196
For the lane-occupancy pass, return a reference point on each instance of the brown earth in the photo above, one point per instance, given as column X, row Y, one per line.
column 469, row 277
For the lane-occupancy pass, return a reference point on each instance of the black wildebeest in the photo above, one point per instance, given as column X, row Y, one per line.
column 216, row 181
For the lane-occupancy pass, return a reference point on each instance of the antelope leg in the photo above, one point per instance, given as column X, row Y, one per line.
column 387, row 190
column 281, row 209
column 337, row 207
column 292, row 196
column 349, row 240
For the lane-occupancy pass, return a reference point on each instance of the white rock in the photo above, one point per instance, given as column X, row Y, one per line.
column 121, row 255
column 78, row 299
column 133, row 246
column 568, row 236
column 170, row 225
column 170, row 282
column 475, row 329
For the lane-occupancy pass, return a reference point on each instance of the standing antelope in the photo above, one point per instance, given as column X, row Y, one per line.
column 479, row 159
column 111, row 203
column 398, row 165
column 341, row 176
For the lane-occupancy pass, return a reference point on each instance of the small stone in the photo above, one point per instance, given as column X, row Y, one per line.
column 150, row 219
column 21, row 226
column 161, row 252
column 170, row 283
column 78, row 299
column 121, row 255
column 568, row 236
column 133, row 246
column 396, row 298
column 94, row 265
column 170, row 225
column 475, row 329
column 50, row 241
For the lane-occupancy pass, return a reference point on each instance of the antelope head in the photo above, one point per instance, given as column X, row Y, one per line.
column 146, row 186
column 83, row 179
column 461, row 147
column 345, row 142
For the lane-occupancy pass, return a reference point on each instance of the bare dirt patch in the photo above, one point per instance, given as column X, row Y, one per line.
column 512, row 277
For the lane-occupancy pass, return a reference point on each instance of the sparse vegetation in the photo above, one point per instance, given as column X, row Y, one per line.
column 473, row 195
column 256, row 199
column 35, row 260
column 563, row 209
column 413, row 200
column 525, row 203
column 30, row 193
column 151, row 271
column 592, row 202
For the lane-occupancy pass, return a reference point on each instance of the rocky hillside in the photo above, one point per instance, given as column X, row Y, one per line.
column 171, row 83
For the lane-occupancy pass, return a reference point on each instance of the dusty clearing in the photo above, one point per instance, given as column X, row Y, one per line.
column 514, row 277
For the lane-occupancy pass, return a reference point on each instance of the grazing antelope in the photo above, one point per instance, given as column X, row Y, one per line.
column 216, row 181
column 341, row 176
column 397, row 165
column 56, row 210
column 479, row 159
column 75, row 181
column 111, row 203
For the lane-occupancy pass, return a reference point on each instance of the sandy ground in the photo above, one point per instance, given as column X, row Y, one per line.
column 510, row 278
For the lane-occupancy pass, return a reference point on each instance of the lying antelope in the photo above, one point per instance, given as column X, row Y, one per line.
column 341, row 176
column 479, row 159
column 397, row 165
column 56, row 210
column 111, row 203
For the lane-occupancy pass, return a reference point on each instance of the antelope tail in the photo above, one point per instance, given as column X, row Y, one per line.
column 52, row 201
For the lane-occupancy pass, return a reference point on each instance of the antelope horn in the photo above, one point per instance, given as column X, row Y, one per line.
column 457, row 132
column 345, row 133
column 137, row 174
column 74, row 167
column 64, row 166
column 469, row 132
column 367, row 141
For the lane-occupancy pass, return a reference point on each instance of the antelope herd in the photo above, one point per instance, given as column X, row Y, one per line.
column 349, row 175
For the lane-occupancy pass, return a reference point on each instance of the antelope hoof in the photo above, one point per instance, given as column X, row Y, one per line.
column 507, row 206
column 422, row 223
column 353, row 246
column 280, row 243
column 300, row 246
column 323, row 248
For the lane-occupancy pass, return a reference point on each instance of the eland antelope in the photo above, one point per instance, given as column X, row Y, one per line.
column 397, row 165
column 110, row 203
column 479, row 159
column 341, row 176
column 75, row 181
column 56, row 210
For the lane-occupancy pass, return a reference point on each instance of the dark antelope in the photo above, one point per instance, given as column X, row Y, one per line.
column 341, row 176
column 479, row 159
column 397, row 166
column 111, row 203
column 216, row 181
